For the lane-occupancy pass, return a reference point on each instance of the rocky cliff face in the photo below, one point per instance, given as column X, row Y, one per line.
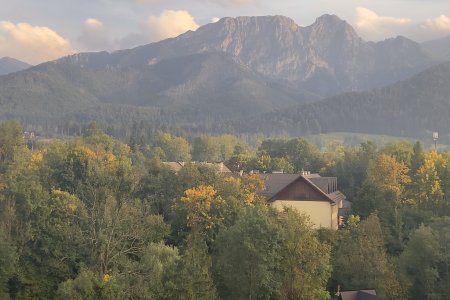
column 326, row 58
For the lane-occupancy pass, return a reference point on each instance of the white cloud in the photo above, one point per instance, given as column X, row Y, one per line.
column 94, row 35
column 94, row 23
column 170, row 23
column 32, row 44
column 215, row 20
column 440, row 24
column 375, row 27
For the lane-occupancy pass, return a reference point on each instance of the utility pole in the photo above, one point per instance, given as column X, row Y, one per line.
column 435, row 138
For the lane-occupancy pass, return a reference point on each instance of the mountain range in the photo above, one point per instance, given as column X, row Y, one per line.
column 325, row 58
column 10, row 65
column 242, row 74
column 438, row 49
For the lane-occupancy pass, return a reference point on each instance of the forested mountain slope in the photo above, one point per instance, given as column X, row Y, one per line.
column 439, row 48
column 212, row 85
column 414, row 107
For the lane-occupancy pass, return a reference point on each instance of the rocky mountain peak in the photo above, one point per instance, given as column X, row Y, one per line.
column 329, row 26
column 325, row 57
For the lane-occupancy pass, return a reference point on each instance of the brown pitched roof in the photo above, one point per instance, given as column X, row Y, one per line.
column 174, row 165
column 220, row 165
column 276, row 182
column 177, row 166
column 359, row 295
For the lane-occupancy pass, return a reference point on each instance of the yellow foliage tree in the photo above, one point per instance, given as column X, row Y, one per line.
column 198, row 202
column 428, row 183
column 390, row 175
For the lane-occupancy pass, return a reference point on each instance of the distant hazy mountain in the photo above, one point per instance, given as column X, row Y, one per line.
column 11, row 65
column 225, row 71
column 438, row 49
column 326, row 58
column 200, row 86
column 414, row 107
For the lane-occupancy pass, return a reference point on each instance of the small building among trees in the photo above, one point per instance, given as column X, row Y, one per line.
column 312, row 194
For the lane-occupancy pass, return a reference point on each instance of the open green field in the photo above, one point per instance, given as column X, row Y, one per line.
column 354, row 139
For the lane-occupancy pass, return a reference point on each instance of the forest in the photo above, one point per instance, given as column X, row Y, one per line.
column 97, row 217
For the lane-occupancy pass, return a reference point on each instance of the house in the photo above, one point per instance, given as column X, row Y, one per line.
column 176, row 166
column 358, row 295
column 28, row 135
column 312, row 194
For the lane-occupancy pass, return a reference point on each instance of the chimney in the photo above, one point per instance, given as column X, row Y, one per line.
column 338, row 293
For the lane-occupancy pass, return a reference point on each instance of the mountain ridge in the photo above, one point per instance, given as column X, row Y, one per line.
column 326, row 57
column 235, row 69
column 11, row 65
column 404, row 108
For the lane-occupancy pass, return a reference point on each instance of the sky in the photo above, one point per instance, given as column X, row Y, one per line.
column 40, row 30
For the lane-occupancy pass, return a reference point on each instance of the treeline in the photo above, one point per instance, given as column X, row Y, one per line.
column 95, row 218
column 411, row 108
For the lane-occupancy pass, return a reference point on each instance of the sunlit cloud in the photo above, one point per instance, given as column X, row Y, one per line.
column 170, row 23
column 215, row 20
column 440, row 24
column 375, row 27
column 94, row 35
column 32, row 44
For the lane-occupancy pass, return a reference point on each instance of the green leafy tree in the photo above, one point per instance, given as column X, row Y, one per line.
column 195, row 280
column 153, row 275
column 88, row 286
column 262, row 163
column 152, row 189
column 305, row 262
column 8, row 260
column 10, row 141
column 402, row 151
column 84, row 287
column 282, row 164
column 390, row 178
column 240, row 159
column 352, row 168
column 247, row 256
column 174, row 148
column 205, row 149
column 360, row 260
column 417, row 157
column 419, row 263
column 301, row 154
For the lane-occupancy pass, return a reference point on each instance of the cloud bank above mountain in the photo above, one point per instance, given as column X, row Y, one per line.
column 170, row 23
column 32, row 44
column 94, row 25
